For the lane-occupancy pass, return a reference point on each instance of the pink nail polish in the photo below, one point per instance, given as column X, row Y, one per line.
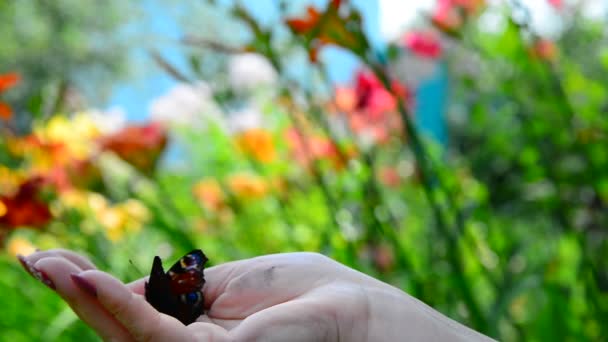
column 36, row 273
column 84, row 284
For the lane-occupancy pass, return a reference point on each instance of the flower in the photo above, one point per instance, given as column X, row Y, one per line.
column 338, row 25
column 375, row 113
column 20, row 246
column 450, row 15
column 544, row 49
column 250, row 70
column 557, row 4
column 389, row 176
column 24, row 208
column 247, row 186
column 209, row 193
column 185, row 104
column 424, row 44
column 307, row 149
column 7, row 81
column 138, row 145
column 257, row 143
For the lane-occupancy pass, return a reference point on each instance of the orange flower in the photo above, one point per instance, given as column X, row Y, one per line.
column 247, row 185
column 209, row 193
column 257, row 143
column 8, row 81
column 337, row 26
column 306, row 24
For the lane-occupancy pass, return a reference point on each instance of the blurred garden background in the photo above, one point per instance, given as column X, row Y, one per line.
column 456, row 149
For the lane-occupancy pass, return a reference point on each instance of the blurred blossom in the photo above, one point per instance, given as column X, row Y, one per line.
column 450, row 15
column 424, row 44
column 345, row 98
column 76, row 135
column 9, row 180
column 557, row 4
column 375, row 114
column 389, row 176
column 110, row 121
column 247, row 185
column 7, row 81
column 25, row 208
column 20, row 246
column 307, row 149
column 209, row 193
column 257, row 143
column 138, row 145
column 249, row 71
column 185, row 104
column 245, row 119
column 545, row 49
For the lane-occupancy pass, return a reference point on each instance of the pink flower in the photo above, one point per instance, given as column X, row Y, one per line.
column 557, row 4
column 425, row 44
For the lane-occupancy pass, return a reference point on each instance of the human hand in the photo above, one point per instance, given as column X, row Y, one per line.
column 294, row 296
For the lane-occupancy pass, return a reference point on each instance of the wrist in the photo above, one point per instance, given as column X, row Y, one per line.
column 395, row 315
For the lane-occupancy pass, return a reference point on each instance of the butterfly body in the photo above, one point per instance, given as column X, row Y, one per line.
column 178, row 292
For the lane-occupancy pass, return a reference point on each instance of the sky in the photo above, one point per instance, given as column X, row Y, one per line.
column 134, row 95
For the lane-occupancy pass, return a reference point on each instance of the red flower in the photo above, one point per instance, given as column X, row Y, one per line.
column 424, row 44
column 140, row 146
column 24, row 208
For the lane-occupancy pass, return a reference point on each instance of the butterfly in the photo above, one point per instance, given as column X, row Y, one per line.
column 178, row 292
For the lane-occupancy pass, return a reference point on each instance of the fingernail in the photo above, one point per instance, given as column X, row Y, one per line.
column 26, row 264
column 36, row 273
column 84, row 284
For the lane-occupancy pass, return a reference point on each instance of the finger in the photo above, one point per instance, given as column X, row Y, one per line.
column 205, row 331
column 142, row 321
column 138, row 286
column 82, row 262
column 58, row 270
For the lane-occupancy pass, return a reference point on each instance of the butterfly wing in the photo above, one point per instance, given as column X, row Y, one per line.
column 179, row 291
column 187, row 280
column 158, row 290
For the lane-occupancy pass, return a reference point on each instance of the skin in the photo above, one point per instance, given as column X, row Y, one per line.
column 281, row 297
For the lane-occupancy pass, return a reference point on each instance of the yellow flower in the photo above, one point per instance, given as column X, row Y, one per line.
column 20, row 246
column 209, row 193
column 247, row 185
column 9, row 180
column 77, row 133
column 257, row 143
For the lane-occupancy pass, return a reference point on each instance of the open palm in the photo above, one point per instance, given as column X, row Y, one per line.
column 293, row 296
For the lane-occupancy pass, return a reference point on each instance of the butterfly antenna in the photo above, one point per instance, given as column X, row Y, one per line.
column 135, row 267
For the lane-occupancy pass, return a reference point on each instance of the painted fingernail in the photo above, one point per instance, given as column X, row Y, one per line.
column 36, row 273
column 84, row 284
column 26, row 264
